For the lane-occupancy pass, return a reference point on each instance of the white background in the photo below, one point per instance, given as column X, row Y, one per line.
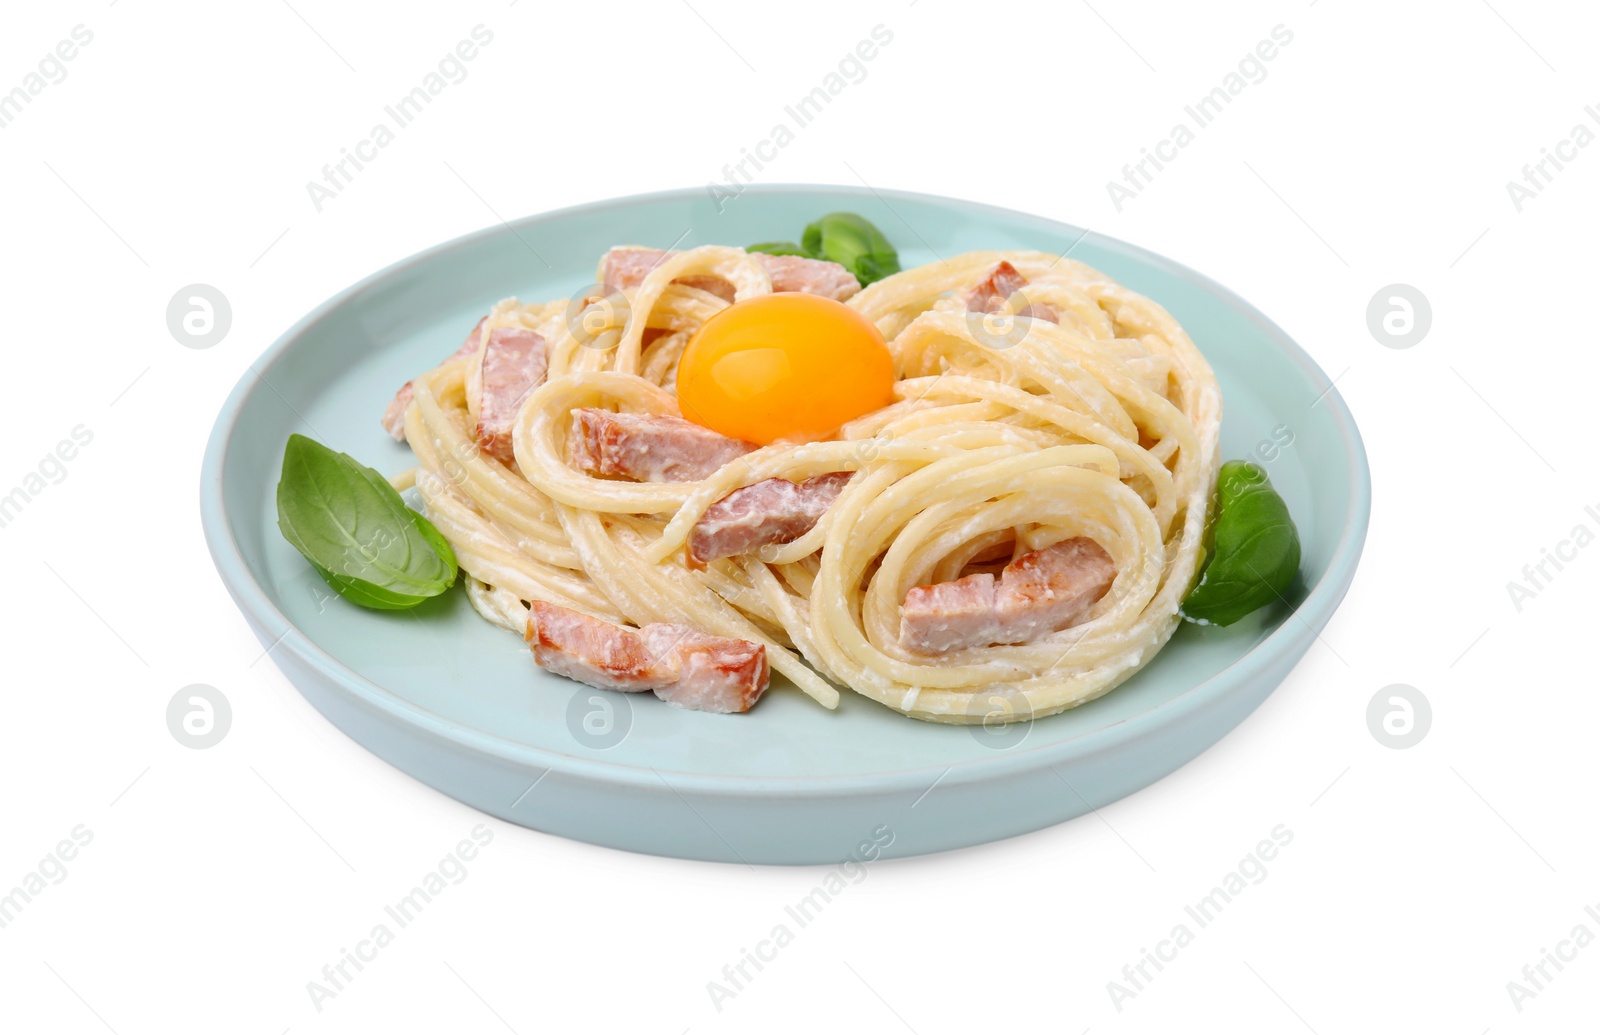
column 1377, row 150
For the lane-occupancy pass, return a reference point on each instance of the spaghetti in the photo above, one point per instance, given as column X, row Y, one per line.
column 1007, row 433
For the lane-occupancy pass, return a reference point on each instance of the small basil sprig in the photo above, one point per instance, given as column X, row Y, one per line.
column 350, row 523
column 853, row 243
column 1255, row 550
column 845, row 238
column 779, row 248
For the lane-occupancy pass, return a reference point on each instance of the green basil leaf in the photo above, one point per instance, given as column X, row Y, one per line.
column 811, row 239
column 367, row 594
column 779, row 248
column 350, row 523
column 1253, row 546
column 853, row 243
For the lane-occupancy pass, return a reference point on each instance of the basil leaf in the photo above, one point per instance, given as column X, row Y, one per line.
column 1254, row 548
column 366, row 593
column 350, row 523
column 779, row 248
column 853, row 243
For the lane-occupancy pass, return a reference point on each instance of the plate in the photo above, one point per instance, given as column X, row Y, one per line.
column 459, row 704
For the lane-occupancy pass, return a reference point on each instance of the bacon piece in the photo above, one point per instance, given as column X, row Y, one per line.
column 470, row 345
column 685, row 667
column 772, row 511
column 950, row 615
column 989, row 295
column 705, row 282
column 710, row 673
column 1037, row 594
column 572, row 644
column 394, row 417
column 648, row 448
column 514, row 364
column 627, row 268
column 1049, row 589
column 809, row 276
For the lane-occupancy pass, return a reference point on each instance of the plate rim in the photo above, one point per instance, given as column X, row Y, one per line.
column 1321, row 601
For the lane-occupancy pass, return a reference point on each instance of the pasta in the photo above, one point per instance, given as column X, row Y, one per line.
column 1006, row 433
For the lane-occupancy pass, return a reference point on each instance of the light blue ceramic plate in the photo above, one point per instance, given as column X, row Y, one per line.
column 458, row 704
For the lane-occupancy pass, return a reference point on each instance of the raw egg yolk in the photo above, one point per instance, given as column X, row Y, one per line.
column 784, row 366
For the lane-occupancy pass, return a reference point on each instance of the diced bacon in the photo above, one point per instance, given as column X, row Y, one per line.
column 950, row 615
column 1037, row 594
column 514, row 364
column 649, row 448
column 1049, row 589
column 572, row 644
column 470, row 345
column 705, row 282
column 685, row 667
column 710, row 673
column 809, row 276
column 627, row 268
column 989, row 295
column 772, row 511
column 394, row 417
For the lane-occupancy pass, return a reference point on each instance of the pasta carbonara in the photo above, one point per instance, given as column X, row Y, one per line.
column 1041, row 421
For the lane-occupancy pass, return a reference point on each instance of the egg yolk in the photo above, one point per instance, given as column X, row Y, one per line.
column 784, row 366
